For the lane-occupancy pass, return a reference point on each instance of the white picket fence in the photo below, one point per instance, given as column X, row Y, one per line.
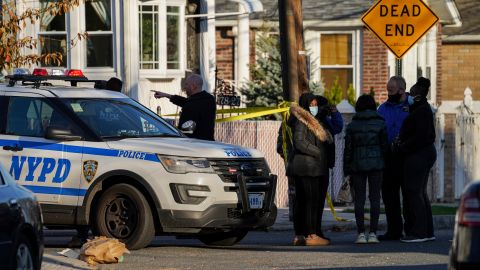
column 466, row 143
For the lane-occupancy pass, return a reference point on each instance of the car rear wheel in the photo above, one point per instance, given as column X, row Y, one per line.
column 122, row 212
column 229, row 238
column 24, row 254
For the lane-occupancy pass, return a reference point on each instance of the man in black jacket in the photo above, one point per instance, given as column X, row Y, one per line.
column 199, row 107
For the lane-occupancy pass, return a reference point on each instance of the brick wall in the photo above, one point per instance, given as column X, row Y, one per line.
column 375, row 66
column 225, row 53
column 461, row 65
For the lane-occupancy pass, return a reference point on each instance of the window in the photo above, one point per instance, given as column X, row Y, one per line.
column 336, row 59
column 173, row 37
column 113, row 119
column 53, row 34
column 31, row 116
column 160, row 27
column 98, row 24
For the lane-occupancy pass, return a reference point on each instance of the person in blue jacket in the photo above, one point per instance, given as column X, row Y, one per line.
column 394, row 111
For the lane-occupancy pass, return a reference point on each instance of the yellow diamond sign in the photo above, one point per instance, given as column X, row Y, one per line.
column 399, row 24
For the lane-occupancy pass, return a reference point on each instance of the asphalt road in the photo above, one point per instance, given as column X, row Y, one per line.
column 273, row 250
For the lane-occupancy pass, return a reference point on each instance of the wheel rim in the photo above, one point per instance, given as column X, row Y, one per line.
column 24, row 258
column 121, row 217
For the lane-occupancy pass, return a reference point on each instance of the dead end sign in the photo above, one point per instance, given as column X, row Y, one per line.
column 399, row 24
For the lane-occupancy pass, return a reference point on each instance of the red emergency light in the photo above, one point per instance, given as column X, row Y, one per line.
column 74, row 73
column 40, row 72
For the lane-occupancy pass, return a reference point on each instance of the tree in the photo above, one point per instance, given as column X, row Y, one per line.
column 265, row 85
column 335, row 93
column 12, row 45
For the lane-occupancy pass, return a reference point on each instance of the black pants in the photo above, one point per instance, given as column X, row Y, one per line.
column 291, row 197
column 310, row 193
column 392, row 179
column 374, row 179
column 418, row 212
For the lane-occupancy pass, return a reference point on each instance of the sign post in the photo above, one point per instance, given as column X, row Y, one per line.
column 399, row 24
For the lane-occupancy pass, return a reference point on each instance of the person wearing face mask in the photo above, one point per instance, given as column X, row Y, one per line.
column 416, row 144
column 394, row 111
column 308, row 167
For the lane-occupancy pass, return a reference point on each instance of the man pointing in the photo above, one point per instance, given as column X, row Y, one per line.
column 199, row 107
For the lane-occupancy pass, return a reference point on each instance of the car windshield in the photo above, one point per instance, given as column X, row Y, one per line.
column 119, row 118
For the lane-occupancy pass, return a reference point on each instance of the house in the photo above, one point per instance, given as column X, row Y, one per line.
column 340, row 46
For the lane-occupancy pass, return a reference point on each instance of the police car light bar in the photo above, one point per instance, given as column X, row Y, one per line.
column 37, row 80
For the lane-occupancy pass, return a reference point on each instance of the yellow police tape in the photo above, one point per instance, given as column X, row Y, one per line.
column 254, row 112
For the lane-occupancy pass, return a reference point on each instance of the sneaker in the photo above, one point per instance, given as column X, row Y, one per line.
column 372, row 238
column 361, row 239
column 299, row 241
column 389, row 237
column 413, row 239
column 316, row 241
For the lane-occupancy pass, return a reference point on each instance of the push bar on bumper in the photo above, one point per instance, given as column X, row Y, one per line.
column 243, row 191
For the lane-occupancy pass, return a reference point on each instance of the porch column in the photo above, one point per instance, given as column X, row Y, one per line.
column 207, row 44
column 243, row 49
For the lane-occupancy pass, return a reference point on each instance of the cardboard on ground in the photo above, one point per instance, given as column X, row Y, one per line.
column 399, row 24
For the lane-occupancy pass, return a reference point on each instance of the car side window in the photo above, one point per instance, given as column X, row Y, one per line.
column 30, row 116
column 3, row 113
column 2, row 182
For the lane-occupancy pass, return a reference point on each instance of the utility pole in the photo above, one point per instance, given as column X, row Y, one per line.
column 289, row 50
column 303, row 86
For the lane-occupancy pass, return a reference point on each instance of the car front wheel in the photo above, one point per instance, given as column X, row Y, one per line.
column 23, row 254
column 123, row 213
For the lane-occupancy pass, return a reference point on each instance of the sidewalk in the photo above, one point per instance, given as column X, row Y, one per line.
column 330, row 224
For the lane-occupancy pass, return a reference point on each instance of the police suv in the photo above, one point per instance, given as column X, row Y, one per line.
column 100, row 159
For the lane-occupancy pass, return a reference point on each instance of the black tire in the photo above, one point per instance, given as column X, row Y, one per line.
column 24, row 256
column 122, row 212
column 223, row 238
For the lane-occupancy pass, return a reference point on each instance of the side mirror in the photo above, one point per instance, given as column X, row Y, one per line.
column 188, row 127
column 60, row 134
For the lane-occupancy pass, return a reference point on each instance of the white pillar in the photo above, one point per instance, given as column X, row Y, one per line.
column 207, row 44
column 243, row 52
column 131, row 50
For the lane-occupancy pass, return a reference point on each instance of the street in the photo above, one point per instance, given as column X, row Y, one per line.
column 273, row 250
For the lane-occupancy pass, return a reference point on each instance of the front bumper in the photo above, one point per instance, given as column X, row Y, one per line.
column 227, row 216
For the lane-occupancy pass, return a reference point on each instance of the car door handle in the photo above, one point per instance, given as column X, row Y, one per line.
column 13, row 148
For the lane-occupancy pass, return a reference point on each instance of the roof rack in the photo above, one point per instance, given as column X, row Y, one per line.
column 37, row 81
